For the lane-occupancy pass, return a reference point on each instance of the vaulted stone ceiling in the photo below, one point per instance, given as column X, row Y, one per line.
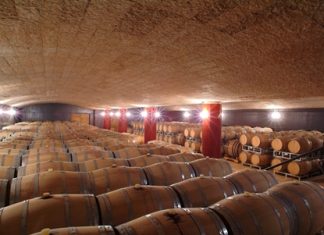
column 101, row 53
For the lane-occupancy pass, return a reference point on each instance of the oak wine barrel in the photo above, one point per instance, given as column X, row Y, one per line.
column 304, row 200
column 203, row 191
column 83, row 230
column 254, row 181
column 247, row 214
column 54, row 182
column 211, row 167
column 99, row 163
column 111, row 178
column 193, row 221
column 261, row 159
column 167, row 173
column 126, row 204
column 47, row 166
column 48, row 211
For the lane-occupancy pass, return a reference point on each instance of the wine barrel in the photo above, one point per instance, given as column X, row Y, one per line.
column 305, row 201
column 234, row 148
column 282, row 168
column 4, row 188
column 245, row 157
column 147, row 160
column 261, row 141
column 185, row 157
column 195, row 146
column 84, row 230
column 172, row 139
column 91, row 155
column 203, row 191
column 300, row 167
column 48, row 211
column 195, row 132
column 127, row 153
column 45, row 150
column 163, row 150
column 7, row 173
column 180, row 139
column 261, row 159
column 254, row 181
column 299, row 145
column 187, row 144
column 43, row 157
column 45, row 166
column 111, row 178
column 9, row 160
column 211, row 167
column 245, row 139
column 186, row 132
column 193, row 221
column 167, row 173
column 101, row 163
column 124, row 204
column 247, row 214
column 85, row 148
column 280, row 143
column 316, row 142
column 56, row 182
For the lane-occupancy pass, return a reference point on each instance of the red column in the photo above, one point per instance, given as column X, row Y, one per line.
column 107, row 120
column 149, row 125
column 122, row 122
column 212, row 130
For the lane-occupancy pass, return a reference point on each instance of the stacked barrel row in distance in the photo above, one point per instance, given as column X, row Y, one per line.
column 285, row 145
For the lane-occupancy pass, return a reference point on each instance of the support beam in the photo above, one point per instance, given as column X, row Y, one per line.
column 150, row 125
column 122, row 122
column 212, row 130
column 107, row 120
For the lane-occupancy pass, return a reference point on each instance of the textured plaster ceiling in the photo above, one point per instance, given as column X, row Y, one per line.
column 101, row 53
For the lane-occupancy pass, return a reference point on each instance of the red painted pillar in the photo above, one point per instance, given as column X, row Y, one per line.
column 149, row 125
column 122, row 122
column 107, row 120
column 212, row 130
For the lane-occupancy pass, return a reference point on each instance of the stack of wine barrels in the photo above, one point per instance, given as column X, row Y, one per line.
column 299, row 142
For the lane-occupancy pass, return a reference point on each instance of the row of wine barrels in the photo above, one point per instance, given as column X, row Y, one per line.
column 28, row 184
column 43, row 157
column 48, row 211
column 46, row 166
column 141, row 161
column 91, row 155
column 233, row 148
column 297, row 145
column 287, row 208
column 304, row 167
